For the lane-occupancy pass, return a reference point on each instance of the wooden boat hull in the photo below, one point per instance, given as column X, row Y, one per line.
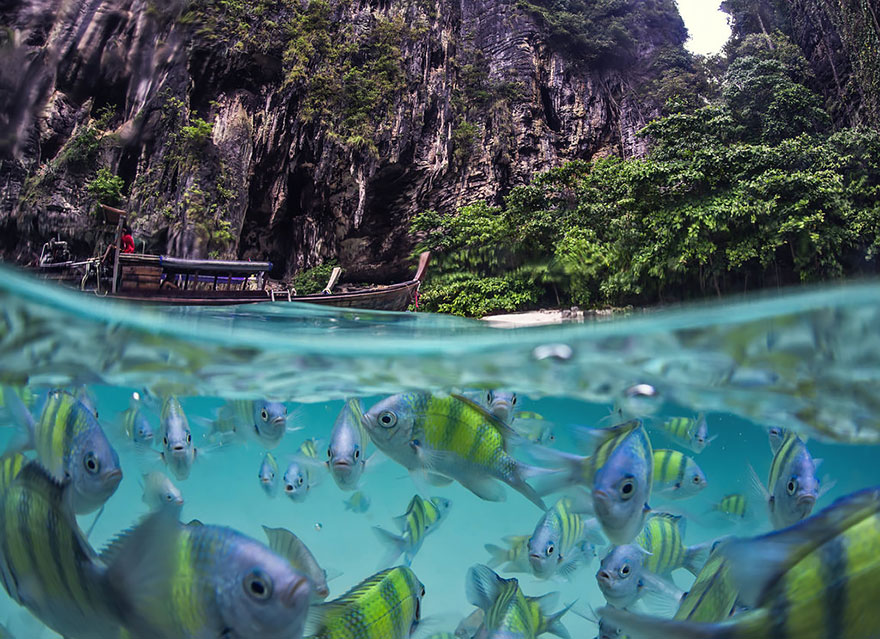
column 396, row 297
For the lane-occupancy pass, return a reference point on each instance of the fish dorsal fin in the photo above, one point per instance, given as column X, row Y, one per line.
column 757, row 564
column 292, row 548
column 484, row 586
column 353, row 596
column 506, row 431
column 591, row 440
column 141, row 560
column 676, row 520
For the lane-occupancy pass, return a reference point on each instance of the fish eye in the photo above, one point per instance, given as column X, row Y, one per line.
column 514, row 400
column 792, row 486
column 624, row 570
column 299, row 481
column 165, row 440
column 357, row 453
column 550, row 550
column 329, row 453
column 91, row 463
column 489, row 397
column 696, row 479
column 264, row 415
column 169, row 497
column 257, row 585
column 627, row 488
column 387, row 419
column 422, row 592
column 189, row 438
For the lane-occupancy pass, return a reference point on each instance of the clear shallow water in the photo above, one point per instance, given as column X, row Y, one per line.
column 809, row 361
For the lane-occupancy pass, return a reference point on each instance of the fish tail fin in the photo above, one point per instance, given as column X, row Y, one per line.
column 553, row 623
column 498, row 555
column 396, row 545
column 695, row 557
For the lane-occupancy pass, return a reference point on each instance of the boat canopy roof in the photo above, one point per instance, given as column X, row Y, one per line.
column 180, row 265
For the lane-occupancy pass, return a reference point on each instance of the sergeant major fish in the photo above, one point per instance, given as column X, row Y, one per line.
column 817, row 579
column 562, row 541
column 358, row 502
column 204, row 581
column 623, row 578
column 733, row 507
column 268, row 475
column 421, row 518
column 514, row 558
column 387, row 605
column 619, row 474
column 691, row 433
column 346, row 452
column 450, row 437
column 136, row 426
column 677, row 476
column 508, row 613
column 159, row 491
column 298, row 479
column 70, row 444
column 792, row 486
column 178, row 451
column 662, row 539
column 46, row 565
column 258, row 419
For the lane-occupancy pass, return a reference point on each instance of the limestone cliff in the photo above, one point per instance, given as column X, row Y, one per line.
column 299, row 130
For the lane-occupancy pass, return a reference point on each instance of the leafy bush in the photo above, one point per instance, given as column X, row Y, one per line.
column 751, row 191
column 107, row 187
column 313, row 280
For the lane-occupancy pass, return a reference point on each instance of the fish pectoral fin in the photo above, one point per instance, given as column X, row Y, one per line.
column 756, row 485
column 649, row 627
column 438, row 480
column 484, row 487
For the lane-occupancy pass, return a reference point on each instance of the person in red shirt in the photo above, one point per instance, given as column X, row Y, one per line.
column 127, row 241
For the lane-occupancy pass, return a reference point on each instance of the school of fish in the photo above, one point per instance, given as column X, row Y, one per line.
column 619, row 504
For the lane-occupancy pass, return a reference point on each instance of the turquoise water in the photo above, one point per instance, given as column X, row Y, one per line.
column 804, row 360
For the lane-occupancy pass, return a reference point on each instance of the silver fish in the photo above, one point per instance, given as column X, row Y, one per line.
column 178, row 451
column 346, row 452
column 623, row 579
column 200, row 581
column 268, row 475
column 258, row 419
column 159, row 491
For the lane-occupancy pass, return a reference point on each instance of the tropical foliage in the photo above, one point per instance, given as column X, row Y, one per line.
column 753, row 190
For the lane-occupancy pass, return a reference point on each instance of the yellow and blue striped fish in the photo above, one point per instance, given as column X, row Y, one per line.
column 689, row 432
column 662, row 538
column 453, row 437
column 818, row 579
column 386, row 606
column 259, row 419
column 733, row 506
column 677, row 476
column 298, row 479
column 508, row 613
column 792, row 486
column 200, row 580
column 46, row 564
column 136, row 426
column 24, row 394
column 561, row 541
column 421, row 517
column 712, row 596
column 70, row 444
column 514, row 558
column 620, row 474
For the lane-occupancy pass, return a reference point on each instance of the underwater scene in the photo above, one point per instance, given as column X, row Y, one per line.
column 289, row 471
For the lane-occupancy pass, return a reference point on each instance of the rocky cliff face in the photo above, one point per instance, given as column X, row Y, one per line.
column 302, row 130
